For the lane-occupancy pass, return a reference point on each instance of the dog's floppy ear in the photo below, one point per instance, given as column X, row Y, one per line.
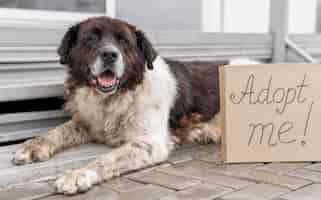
column 146, row 48
column 68, row 41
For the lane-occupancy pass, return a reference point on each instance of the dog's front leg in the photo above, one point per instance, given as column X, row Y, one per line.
column 42, row 148
column 131, row 156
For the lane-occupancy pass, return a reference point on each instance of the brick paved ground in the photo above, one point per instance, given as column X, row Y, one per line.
column 193, row 172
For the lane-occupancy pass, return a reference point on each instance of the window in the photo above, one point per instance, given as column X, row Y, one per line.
column 161, row 15
column 303, row 16
column 246, row 16
column 191, row 15
column 92, row 6
column 52, row 13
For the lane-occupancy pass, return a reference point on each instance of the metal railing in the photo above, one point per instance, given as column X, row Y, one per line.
column 279, row 14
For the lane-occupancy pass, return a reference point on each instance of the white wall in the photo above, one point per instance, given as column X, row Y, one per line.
column 161, row 14
column 212, row 16
column 247, row 16
column 253, row 16
column 239, row 16
column 242, row 16
column 302, row 16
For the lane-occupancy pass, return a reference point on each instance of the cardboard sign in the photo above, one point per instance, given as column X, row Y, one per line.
column 271, row 112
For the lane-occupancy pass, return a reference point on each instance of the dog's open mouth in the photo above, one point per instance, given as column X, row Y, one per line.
column 106, row 82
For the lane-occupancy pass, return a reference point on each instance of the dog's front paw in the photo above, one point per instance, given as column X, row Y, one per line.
column 31, row 153
column 76, row 181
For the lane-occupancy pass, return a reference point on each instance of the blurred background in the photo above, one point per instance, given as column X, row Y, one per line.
column 203, row 15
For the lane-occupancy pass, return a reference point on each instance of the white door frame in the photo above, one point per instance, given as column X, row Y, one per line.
column 213, row 14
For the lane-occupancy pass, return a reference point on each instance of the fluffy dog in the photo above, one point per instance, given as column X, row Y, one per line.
column 122, row 94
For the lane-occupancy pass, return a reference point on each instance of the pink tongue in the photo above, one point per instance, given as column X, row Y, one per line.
column 106, row 80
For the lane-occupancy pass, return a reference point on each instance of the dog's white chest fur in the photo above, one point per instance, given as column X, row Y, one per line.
column 122, row 117
column 106, row 120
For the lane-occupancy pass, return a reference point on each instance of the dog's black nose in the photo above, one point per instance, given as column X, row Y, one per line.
column 109, row 57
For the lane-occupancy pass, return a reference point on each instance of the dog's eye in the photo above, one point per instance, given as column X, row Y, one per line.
column 93, row 36
column 122, row 39
column 96, row 31
column 92, row 39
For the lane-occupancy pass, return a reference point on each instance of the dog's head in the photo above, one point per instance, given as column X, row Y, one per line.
column 106, row 54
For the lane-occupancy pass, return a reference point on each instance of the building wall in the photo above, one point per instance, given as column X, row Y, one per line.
column 161, row 15
column 302, row 16
column 57, row 5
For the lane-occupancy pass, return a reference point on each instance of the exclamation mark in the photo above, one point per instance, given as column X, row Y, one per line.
column 303, row 142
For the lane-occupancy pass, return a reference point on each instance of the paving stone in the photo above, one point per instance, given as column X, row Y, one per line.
column 69, row 159
column 188, row 152
column 182, row 155
column 189, row 146
column 167, row 180
column 311, row 192
column 123, row 185
column 194, row 171
column 28, row 191
column 189, row 166
column 149, row 192
column 257, row 192
column 96, row 193
column 179, row 157
column 237, row 170
column 209, row 157
column 207, row 175
column 282, row 168
column 307, row 174
column 315, row 167
column 282, row 180
column 211, row 153
column 199, row 192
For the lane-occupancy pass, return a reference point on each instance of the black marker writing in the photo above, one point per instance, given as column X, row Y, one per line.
column 279, row 95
